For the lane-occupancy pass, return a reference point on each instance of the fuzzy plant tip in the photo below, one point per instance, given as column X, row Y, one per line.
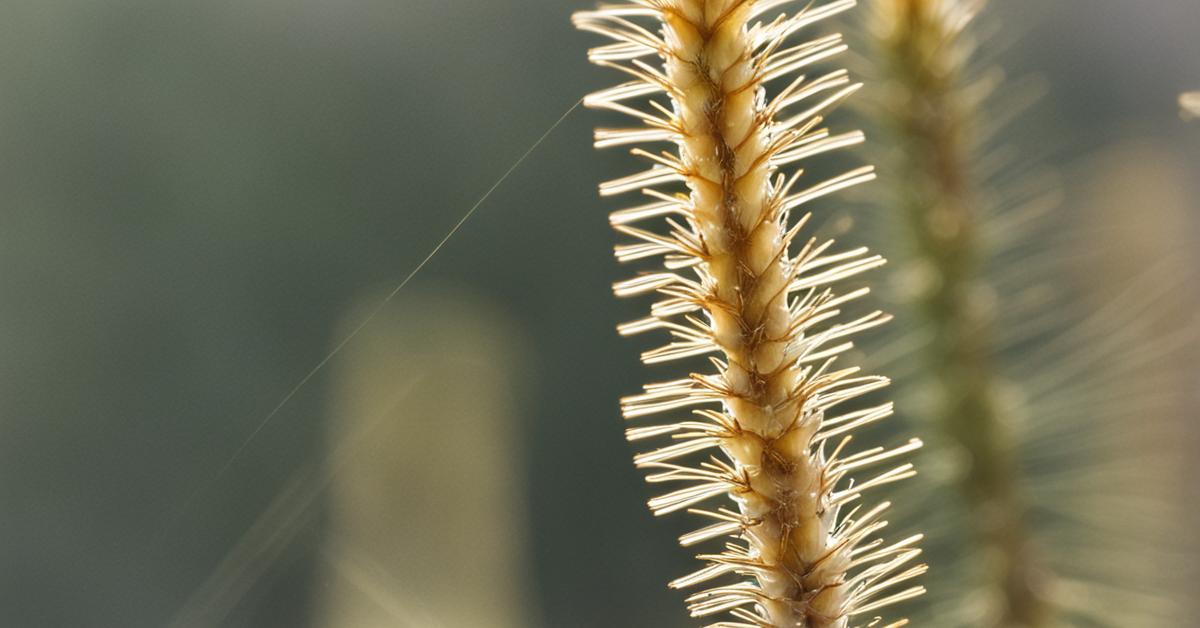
column 762, row 451
column 1189, row 103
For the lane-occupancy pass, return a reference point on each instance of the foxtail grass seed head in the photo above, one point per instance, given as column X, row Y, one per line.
column 737, row 281
column 923, row 50
column 1024, row 379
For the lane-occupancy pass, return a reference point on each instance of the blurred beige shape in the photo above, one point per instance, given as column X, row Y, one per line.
column 426, row 522
column 1143, row 196
column 1189, row 102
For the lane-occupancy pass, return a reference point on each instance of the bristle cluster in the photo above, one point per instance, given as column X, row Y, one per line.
column 734, row 287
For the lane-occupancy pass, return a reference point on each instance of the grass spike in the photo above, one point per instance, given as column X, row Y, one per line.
column 735, row 288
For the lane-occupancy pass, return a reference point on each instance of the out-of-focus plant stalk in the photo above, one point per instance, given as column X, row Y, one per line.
column 932, row 121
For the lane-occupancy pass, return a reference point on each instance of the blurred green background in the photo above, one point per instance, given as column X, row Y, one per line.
column 202, row 198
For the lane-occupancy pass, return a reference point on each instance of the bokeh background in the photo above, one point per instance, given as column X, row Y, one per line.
column 202, row 199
